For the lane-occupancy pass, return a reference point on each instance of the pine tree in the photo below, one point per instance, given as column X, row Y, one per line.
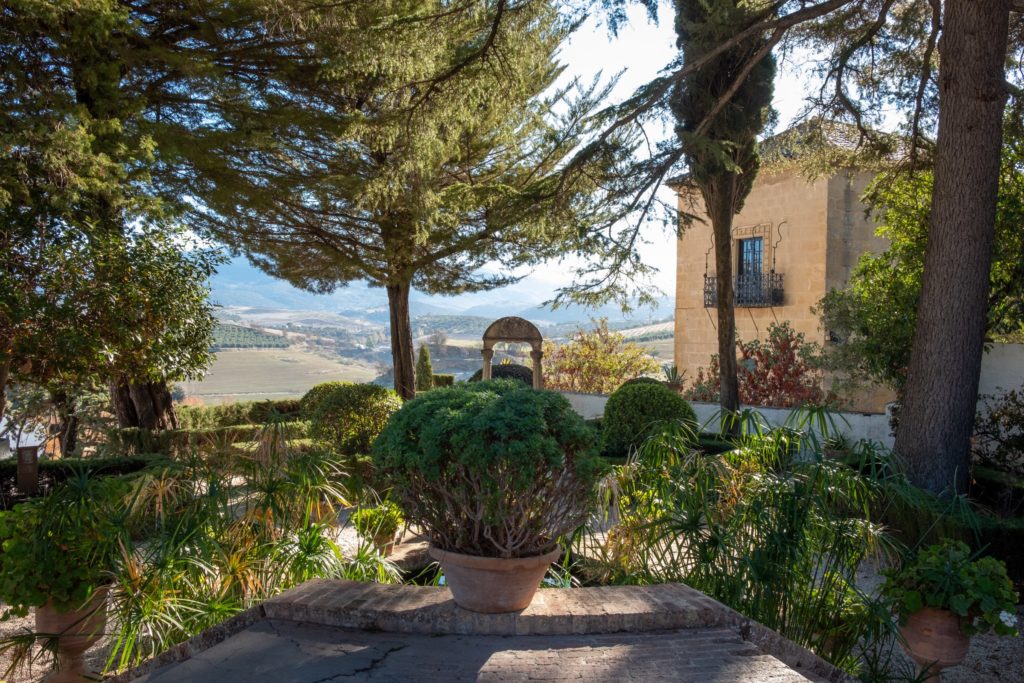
column 424, row 370
column 436, row 159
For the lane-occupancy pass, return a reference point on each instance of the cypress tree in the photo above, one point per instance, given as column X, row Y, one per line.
column 718, row 134
column 424, row 370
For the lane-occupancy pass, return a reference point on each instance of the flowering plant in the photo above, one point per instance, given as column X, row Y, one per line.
column 943, row 576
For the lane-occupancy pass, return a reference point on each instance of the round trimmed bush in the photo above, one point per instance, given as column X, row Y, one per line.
column 641, row 380
column 310, row 401
column 506, row 371
column 350, row 416
column 633, row 412
column 492, row 469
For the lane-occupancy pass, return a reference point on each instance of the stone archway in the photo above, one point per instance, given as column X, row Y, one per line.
column 516, row 330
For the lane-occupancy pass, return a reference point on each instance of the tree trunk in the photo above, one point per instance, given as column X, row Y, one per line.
column 937, row 416
column 401, row 340
column 5, row 373
column 147, row 405
column 68, row 422
column 719, row 201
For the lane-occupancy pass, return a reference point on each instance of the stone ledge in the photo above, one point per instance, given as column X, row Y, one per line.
column 431, row 610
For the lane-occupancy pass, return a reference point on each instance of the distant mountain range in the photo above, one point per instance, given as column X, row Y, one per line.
column 239, row 284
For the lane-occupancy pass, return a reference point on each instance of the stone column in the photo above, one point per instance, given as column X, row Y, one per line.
column 538, row 370
column 488, row 354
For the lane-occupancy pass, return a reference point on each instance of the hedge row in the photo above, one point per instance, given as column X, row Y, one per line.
column 53, row 472
column 133, row 440
column 236, row 414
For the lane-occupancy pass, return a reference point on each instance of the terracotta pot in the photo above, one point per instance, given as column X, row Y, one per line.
column 76, row 632
column 934, row 640
column 493, row 584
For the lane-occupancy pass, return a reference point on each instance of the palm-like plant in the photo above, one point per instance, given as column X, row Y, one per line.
column 768, row 528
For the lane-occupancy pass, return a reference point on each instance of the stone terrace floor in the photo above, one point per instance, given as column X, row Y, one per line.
column 337, row 630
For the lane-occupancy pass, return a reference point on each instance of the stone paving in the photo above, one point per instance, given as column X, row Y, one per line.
column 329, row 630
column 290, row 652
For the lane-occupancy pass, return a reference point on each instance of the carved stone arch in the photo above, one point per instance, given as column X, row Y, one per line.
column 516, row 330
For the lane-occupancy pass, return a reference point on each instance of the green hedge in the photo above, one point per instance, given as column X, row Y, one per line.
column 133, row 440
column 443, row 380
column 235, row 414
column 52, row 472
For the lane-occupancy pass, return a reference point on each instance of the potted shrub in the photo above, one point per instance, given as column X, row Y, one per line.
column 943, row 597
column 57, row 555
column 494, row 473
column 379, row 524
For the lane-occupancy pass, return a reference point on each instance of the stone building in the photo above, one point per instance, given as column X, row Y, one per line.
column 794, row 240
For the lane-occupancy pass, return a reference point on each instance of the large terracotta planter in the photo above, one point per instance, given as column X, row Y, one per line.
column 76, row 632
column 493, row 584
column 934, row 640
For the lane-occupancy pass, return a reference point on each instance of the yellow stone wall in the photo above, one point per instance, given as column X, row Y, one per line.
column 818, row 230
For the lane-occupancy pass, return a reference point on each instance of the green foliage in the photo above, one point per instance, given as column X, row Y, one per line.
column 424, row 370
column 382, row 521
column 594, row 361
column 873, row 318
column 227, row 336
column 943, row 576
column 490, row 468
column 238, row 413
column 61, row 547
column 310, row 401
column 769, row 532
column 350, row 417
column 634, row 412
column 442, row 380
column 514, row 371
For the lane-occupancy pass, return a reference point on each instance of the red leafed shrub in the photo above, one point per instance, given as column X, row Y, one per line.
column 779, row 372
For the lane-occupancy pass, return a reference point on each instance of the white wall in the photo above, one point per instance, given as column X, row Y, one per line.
column 1002, row 368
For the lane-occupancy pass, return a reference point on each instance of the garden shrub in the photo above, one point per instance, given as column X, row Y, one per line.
column 999, row 433
column 490, row 468
column 310, row 401
column 443, row 380
column 506, row 371
column 634, row 410
column 595, row 361
column 350, row 416
column 779, row 372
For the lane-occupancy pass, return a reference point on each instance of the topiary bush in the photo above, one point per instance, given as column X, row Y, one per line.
column 349, row 417
column 506, row 371
column 443, row 380
column 634, row 409
column 310, row 401
column 642, row 380
column 491, row 469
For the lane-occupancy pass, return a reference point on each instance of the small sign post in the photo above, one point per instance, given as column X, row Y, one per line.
column 28, row 470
